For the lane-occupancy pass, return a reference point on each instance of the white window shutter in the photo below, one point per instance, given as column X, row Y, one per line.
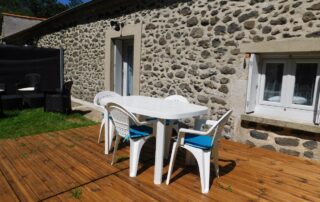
column 252, row 83
column 117, row 77
column 317, row 113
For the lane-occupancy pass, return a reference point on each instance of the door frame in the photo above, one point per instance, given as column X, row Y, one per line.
column 128, row 31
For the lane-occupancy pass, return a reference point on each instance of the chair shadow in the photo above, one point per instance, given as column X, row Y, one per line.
column 144, row 167
column 144, row 159
column 82, row 112
column 122, row 158
column 223, row 170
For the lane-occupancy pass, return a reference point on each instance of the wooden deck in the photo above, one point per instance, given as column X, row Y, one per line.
column 66, row 165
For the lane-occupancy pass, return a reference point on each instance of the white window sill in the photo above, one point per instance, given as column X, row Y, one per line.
column 257, row 118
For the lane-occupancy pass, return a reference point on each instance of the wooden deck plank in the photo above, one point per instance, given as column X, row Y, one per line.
column 17, row 182
column 89, row 160
column 94, row 161
column 111, row 188
column 162, row 192
column 6, row 192
column 73, row 158
column 278, row 173
column 26, row 169
column 54, row 176
column 125, row 190
column 74, row 164
column 71, row 169
column 279, row 180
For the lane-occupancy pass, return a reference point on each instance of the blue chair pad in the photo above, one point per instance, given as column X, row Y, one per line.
column 140, row 131
column 198, row 141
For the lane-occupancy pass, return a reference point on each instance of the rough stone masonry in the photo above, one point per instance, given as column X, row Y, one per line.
column 189, row 48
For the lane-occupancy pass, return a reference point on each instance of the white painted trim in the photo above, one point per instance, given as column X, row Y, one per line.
column 117, row 67
column 282, row 46
column 128, row 31
column 251, row 99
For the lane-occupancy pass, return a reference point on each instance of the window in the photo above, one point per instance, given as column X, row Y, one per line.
column 305, row 81
column 285, row 87
column 273, row 82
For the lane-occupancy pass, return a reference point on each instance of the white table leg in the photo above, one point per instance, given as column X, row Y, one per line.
column 160, row 141
column 106, row 136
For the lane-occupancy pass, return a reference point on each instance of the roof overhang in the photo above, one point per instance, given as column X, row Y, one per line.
column 23, row 16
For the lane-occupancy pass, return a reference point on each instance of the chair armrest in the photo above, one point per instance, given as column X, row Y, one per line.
column 183, row 131
column 211, row 122
column 100, row 108
column 191, row 131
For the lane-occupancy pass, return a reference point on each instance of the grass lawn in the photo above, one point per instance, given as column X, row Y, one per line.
column 20, row 123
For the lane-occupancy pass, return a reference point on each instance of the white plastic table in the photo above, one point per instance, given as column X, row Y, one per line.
column 161, row 109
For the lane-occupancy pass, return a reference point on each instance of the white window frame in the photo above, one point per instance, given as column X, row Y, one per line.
column 285, row 108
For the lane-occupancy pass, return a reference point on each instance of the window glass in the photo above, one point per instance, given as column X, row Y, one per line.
column 273, row 82
column 305, row 80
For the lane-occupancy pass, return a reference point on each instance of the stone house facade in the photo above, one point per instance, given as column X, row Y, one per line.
column 192, row 48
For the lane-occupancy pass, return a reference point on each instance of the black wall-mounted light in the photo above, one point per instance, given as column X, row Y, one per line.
column 116, row 25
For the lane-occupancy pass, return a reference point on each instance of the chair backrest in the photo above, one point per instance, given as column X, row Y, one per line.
column 177, row 98
column 218, row 127
column 2, row 86
column 121, row 118
column 67, row 87
column 104, row 94
column 217, row 132
column 32, row 79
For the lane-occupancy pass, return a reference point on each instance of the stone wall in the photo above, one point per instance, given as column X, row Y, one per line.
column 189, row 48
column 285, row 140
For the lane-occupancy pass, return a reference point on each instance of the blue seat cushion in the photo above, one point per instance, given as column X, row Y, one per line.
column 198, row 141
column 140, row 131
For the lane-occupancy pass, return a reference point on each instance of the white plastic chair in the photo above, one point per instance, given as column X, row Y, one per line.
column 102, row 109
column 129, row 127
column 172, row 124
column 203, row 145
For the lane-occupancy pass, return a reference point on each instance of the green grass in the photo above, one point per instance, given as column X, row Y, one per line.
column 20, row 123
column 76, row 193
